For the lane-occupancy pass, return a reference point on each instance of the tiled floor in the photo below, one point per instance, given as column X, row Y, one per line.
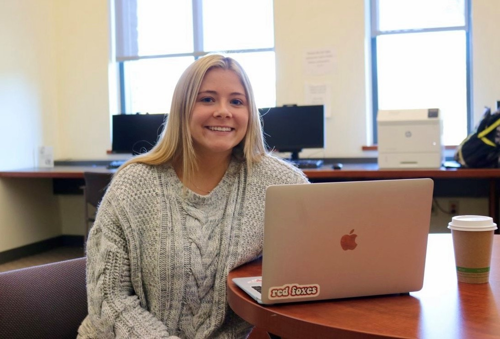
column 54, row 255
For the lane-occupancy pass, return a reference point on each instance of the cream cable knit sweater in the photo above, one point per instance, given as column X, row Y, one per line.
column 157, row 259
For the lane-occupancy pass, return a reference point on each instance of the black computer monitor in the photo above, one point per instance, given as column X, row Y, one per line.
column 136, row 133
column 293, row 128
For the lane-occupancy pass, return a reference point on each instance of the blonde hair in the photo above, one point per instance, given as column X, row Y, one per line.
column 176, row 144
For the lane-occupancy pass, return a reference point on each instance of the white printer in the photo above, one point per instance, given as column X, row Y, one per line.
column 410, row 138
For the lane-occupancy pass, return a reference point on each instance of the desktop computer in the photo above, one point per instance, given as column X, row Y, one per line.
column 410, row 138
column 292, row 128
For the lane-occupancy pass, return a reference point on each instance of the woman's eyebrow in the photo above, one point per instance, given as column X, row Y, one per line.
column 238, row 93
column 208, row 91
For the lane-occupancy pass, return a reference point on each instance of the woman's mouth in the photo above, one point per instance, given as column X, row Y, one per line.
column 220, row 128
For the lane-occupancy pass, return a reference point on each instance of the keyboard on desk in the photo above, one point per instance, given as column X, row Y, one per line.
column 306, row 163
column 115, row 164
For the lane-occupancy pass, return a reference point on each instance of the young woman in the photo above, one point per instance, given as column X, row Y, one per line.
column 176, row 220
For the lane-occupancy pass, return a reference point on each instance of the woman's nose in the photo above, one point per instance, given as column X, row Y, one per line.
column 222, row 112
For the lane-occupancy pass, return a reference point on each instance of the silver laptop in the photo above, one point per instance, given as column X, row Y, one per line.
column 342, row 240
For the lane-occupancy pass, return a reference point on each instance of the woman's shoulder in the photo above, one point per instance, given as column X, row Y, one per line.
column 131, row 171
column 278, row 170
column 137, row 175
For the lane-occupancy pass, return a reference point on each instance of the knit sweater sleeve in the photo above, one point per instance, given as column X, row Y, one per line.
column 115, row 310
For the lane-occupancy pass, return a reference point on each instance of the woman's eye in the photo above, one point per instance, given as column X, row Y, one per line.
column 237, row 102
column 206, row 99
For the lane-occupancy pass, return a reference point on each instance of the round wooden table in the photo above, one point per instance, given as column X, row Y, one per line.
column 443, row 309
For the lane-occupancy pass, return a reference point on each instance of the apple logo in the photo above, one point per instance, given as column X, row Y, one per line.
column 348, row 241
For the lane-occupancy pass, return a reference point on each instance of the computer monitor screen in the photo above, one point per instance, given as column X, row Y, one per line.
column 136, row 133
column 293, row 128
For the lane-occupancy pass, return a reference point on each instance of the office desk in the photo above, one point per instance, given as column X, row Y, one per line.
column 443, row 309
column 349, row 172
column 371, row 171
column 57, row 172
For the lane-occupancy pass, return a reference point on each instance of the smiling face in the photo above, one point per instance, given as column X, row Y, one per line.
column 219, row 119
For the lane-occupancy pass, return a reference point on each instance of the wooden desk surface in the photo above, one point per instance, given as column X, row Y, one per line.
column 443, row 309
column 326, row 173
column 57, row 172
column 371, row 171
column 349, row 171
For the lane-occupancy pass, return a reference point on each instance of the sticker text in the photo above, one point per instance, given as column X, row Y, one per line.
column 290, row 291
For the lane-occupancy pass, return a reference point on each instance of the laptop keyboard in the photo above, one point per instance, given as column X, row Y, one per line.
column 257, row 288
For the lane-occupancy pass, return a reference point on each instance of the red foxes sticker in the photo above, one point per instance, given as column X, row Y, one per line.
column 291, row 291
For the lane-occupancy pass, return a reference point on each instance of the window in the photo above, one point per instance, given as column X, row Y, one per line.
column 157, row 39
column 421, row 60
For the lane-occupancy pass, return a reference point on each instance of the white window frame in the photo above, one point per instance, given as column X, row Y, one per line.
column 126, row 51
column 375, row 32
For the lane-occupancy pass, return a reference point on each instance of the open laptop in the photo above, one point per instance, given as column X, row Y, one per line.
column 341, row 240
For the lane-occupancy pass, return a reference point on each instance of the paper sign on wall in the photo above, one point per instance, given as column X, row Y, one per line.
column 318, row 93
column 45, row 156
column 319, row 62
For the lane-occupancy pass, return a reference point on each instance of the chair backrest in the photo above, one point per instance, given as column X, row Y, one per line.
column 46, row 301
column 95, row 186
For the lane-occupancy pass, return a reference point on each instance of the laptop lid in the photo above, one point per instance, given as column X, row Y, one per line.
column 345, row 239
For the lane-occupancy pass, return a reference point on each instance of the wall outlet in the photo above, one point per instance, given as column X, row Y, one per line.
column 453, row 207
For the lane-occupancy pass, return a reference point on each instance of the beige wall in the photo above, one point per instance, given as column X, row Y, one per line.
column 28, row 212
column 28, row 80
column 302, row 26
column 485, row 55
column 55, row 89
column 28, row 117
column 83, row 63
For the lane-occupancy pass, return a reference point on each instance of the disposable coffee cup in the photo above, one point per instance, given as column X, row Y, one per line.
column 472, row 244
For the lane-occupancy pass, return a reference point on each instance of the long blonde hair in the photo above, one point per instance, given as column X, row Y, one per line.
column 176, row 142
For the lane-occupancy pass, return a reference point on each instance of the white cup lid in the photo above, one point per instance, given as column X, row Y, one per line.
column 472, row 223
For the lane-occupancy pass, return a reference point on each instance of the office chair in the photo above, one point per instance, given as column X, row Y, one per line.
column 46, row 301
column 94, row 189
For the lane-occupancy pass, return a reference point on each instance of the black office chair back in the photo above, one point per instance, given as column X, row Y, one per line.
column 96, row 184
